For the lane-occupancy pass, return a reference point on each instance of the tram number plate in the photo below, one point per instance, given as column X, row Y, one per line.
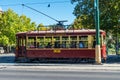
column 56, row 50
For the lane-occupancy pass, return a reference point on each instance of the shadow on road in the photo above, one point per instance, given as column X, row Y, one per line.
column 113, row 59
column 7, row 58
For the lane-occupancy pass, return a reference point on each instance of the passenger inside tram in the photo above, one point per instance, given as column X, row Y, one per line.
column 73, row 44
column 81, row 44
column 57, row 44
column 64, row 44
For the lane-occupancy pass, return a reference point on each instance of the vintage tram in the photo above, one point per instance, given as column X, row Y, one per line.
column 58, row 44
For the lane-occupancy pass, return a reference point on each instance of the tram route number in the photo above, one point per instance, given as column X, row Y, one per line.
column 56, row 50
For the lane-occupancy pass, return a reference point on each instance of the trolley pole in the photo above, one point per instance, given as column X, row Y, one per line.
column 97, row 26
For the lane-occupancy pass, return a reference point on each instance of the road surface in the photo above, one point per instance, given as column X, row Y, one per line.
column 9, row 74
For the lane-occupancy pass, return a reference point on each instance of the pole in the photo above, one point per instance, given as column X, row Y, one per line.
column 97, row 25
column 117, row 41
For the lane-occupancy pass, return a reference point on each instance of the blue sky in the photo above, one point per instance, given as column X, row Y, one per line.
column 59, row 9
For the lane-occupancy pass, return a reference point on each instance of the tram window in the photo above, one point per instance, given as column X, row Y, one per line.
column 40, row 42
column 73, row 38
column 91, row 41
column 73, row 44
column 31, row 42
column 48, row 39
column 64, row 38
column 24, row 42
column 94, row 42
column 84, row 41
column 73, row 41
column 48, row 42
column 20, row 41
column 56, row 42
column 65, row 42
column 57, row 38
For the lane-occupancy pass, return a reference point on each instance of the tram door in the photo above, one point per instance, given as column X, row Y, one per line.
column 21, row 46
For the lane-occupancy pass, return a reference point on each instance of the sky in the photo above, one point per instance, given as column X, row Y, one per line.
column 59, row 10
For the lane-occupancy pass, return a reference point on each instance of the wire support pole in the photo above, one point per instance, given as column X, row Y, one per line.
column 97, row 26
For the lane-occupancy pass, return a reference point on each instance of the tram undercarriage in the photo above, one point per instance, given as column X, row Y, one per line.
column 56, row 60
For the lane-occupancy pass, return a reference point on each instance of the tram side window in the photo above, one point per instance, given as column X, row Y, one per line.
column 24, row 42
column 65, row 42
column 48, row 42
column 73, row 41
column 31, row 42
column 94, row 41
column 40, row 42
column 83, row 42
column 19, row 41
column 56, row 42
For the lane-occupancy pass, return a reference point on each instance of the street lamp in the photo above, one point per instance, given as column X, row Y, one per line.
column 97, row 25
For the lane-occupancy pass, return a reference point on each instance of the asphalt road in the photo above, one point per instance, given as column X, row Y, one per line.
column 7, row 74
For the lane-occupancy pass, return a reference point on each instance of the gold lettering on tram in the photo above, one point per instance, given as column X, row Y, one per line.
column 57, row 51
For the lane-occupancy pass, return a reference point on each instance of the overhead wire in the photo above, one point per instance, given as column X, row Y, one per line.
column 36, row 3
column 48, row 2
column 39, row 12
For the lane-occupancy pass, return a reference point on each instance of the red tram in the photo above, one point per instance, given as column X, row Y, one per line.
column 59, row 44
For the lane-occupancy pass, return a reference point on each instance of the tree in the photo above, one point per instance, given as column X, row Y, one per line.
column 10, row 24
column 41, row 27
column 77, row 24
column 85, row 12
column 109, row 13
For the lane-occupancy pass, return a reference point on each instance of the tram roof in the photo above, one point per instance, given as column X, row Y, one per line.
column 60, row 31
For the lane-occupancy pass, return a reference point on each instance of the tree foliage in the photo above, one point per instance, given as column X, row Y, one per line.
column 109, row 13
column 41, row 27
column 109, row 17
column 77, row 24
column 10, row 24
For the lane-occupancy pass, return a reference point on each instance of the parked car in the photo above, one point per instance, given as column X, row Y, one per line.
column 1, row 50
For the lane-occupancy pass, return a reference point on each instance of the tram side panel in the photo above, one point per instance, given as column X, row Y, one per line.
column 64, row 53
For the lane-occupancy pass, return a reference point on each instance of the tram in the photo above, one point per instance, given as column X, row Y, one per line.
column 59, row 44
